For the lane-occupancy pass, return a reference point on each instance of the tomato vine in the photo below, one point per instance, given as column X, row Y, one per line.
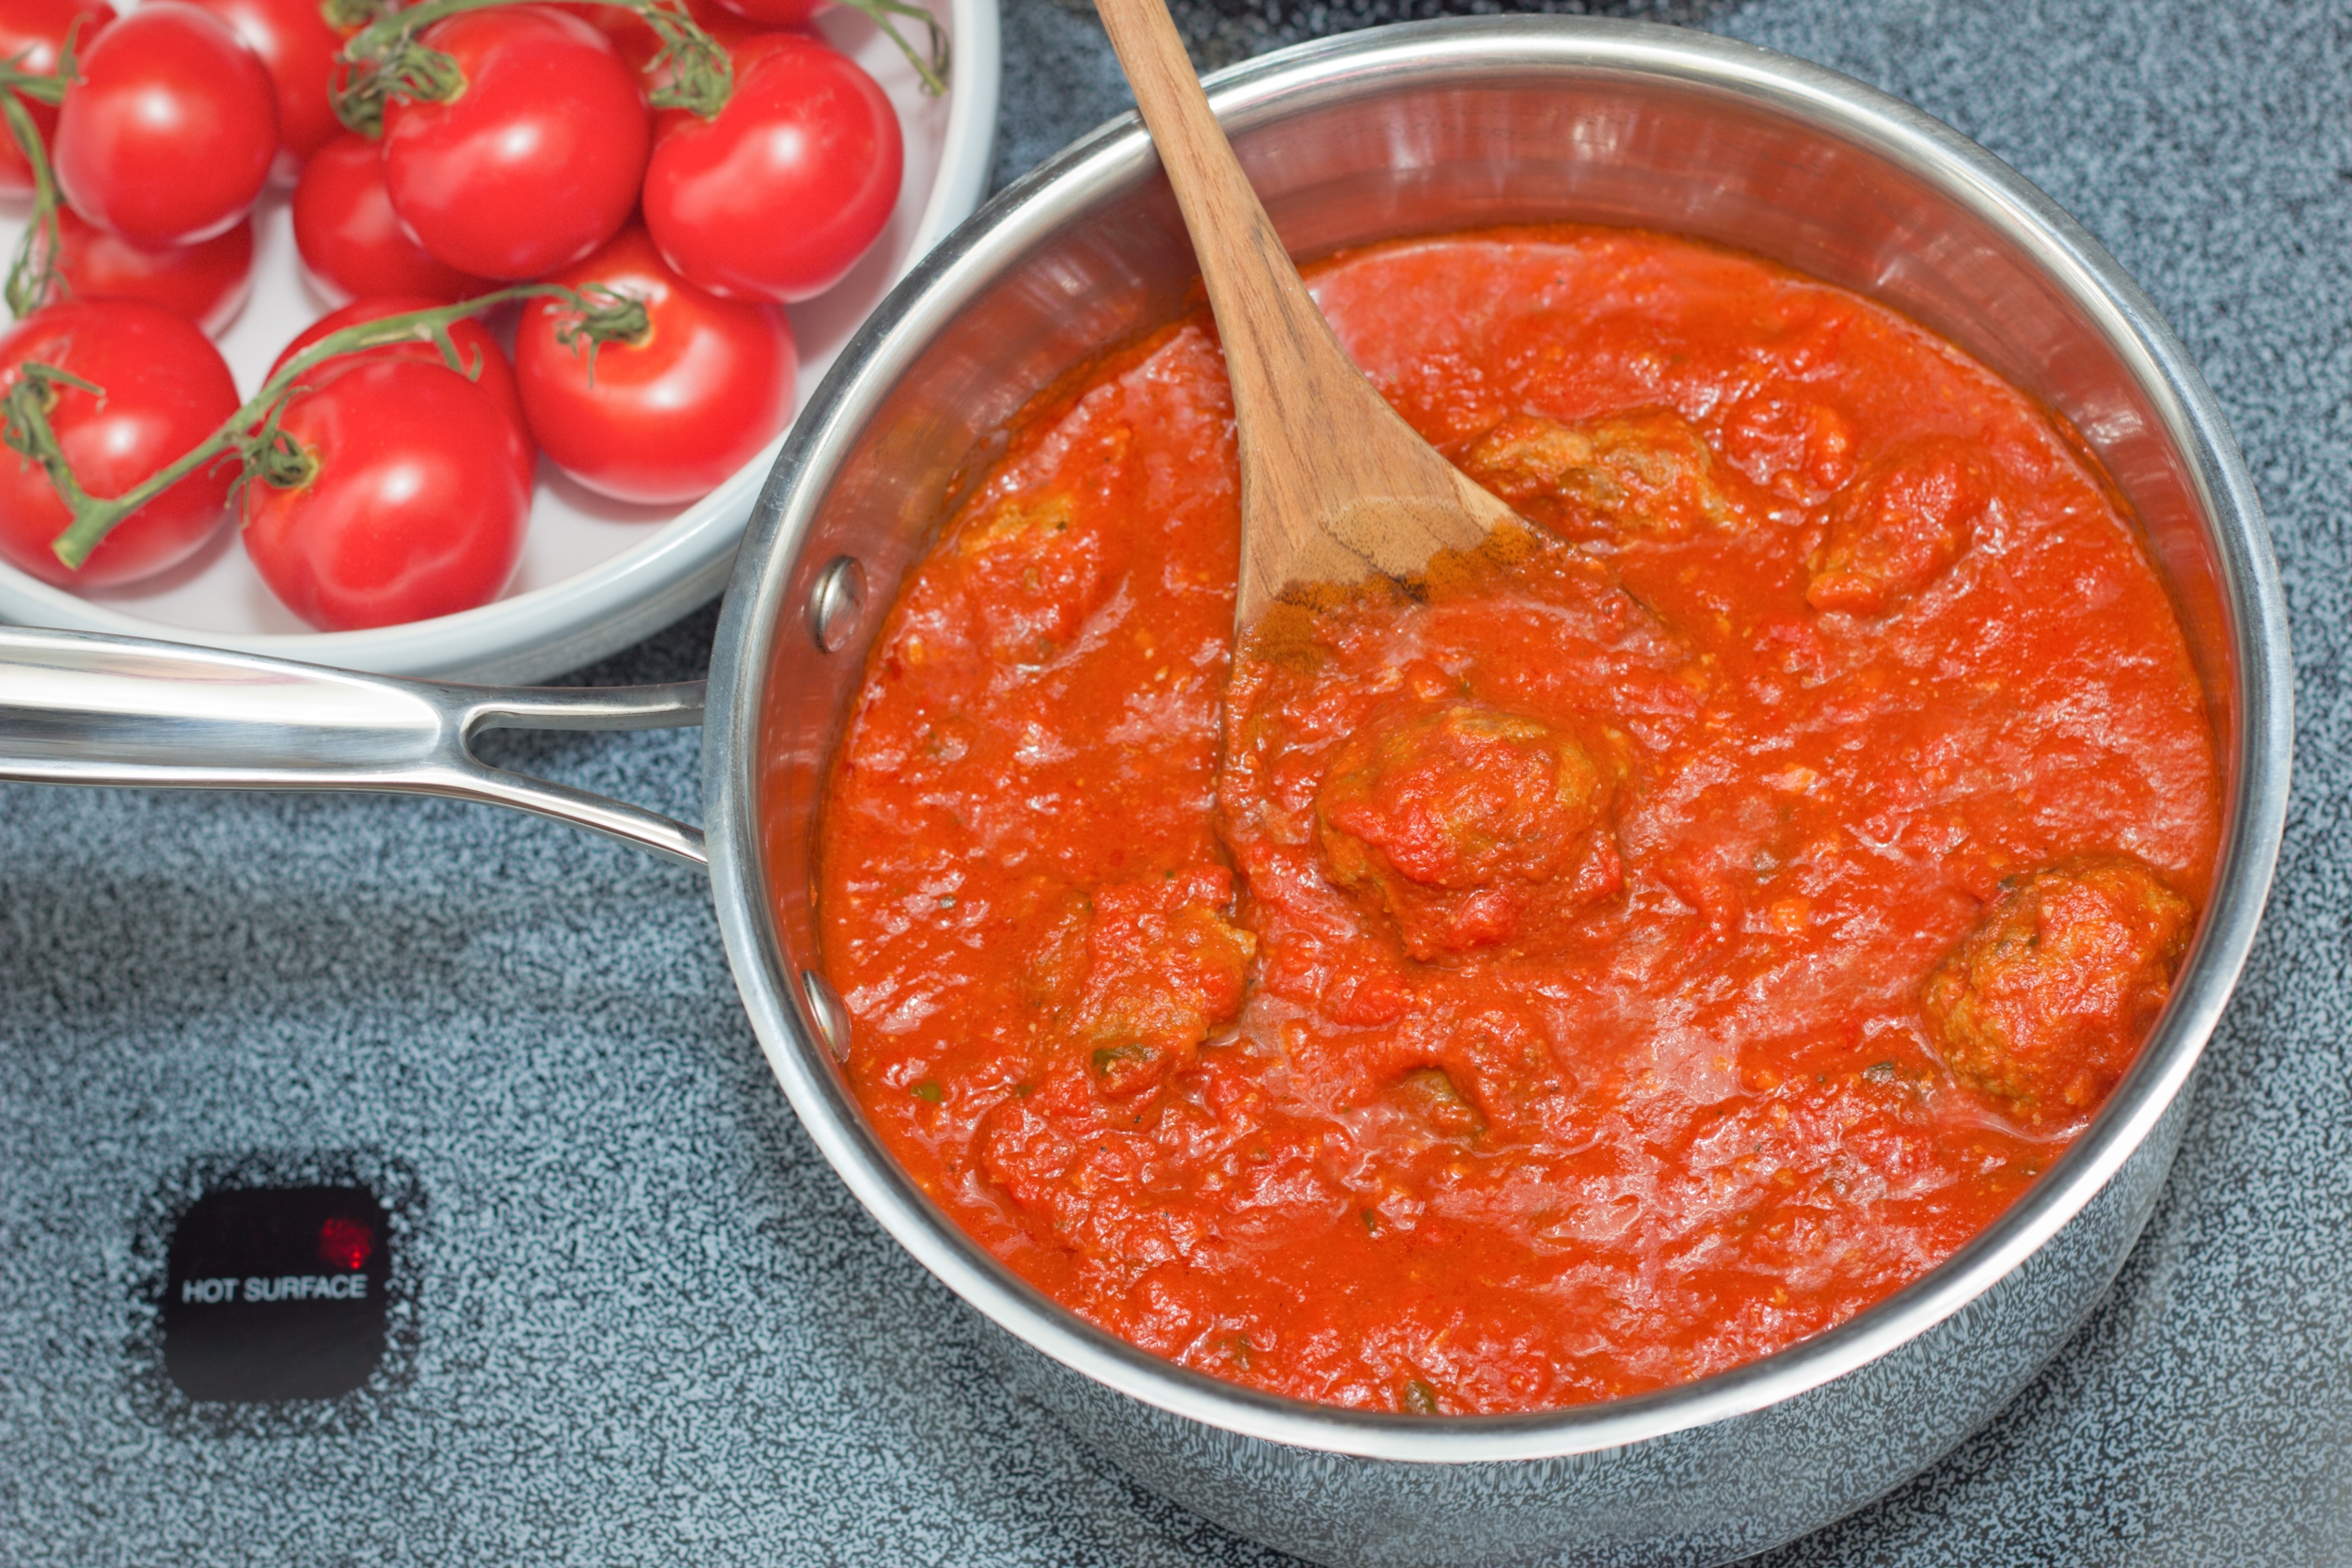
column 388, row 60
column 33, row 280
column 250, row 437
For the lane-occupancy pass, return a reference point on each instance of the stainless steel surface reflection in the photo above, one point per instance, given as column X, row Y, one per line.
column 81, row 708
column 1424, row 129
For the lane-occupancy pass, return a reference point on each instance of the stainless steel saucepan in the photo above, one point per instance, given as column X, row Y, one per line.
column 1415, row 129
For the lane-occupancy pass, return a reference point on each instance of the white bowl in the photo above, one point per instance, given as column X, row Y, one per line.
column 597, row 575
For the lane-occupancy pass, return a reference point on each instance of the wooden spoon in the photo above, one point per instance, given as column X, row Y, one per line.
column 1335, row 486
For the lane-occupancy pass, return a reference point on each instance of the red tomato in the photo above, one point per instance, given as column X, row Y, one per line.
column 169, row 136
column 206, row 282
column 415, row 510
column 476, row 344
column 808, row 134
column 298, row 49
column 31, row 33
column 665, row 419
column 351, row 240
column 167, row 389
column 535, row 162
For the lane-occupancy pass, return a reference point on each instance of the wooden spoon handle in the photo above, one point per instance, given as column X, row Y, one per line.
column 1301, row 405
column 1263, row 312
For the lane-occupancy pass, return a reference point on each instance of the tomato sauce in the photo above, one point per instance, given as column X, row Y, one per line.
column 1583, row 971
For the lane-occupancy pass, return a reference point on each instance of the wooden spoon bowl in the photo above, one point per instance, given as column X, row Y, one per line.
column 1335, row 486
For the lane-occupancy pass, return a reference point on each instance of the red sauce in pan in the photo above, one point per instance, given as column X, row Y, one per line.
column 1593, row 971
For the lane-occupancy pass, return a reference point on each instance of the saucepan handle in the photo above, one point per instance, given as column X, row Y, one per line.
column 86, row 709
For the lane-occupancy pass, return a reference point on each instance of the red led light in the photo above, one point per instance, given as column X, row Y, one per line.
column 347, row 1243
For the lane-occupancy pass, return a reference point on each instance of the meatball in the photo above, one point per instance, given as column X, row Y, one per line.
column 1429, row 1095
column 1636, row 474
column 1899, row 526
column 1136, row 974
column 2042, row 1007
column 1039, row 566
column 1464, row 825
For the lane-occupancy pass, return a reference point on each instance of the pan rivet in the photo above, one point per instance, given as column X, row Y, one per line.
column 838, row 603
column 824, row 1005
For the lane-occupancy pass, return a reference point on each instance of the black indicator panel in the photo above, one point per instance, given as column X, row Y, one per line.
column 277, row 1293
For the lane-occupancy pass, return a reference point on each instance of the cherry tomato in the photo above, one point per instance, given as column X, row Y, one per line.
column 476, row 344
column 206, row 282
column 665, row 419
column 32, row 32
column 351, row 240
column 169, row 136
column 414, row 509
column 782, row 191
column 535, row 162
column 167, row 389
column 298, row 49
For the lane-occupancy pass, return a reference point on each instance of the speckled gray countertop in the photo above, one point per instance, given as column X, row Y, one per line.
column 653, row 1328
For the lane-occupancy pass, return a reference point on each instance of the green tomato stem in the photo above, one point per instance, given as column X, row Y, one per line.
column 388, row 61
column 32, row 279
column 31, row 393
column 604, row 316
column 251, row 436
column 931, row 66
column 46, row 85
column 350, row 16
column 399, row 66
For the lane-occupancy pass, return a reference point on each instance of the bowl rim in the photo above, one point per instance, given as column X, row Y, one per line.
column 678, row 566
column 1418, row 53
